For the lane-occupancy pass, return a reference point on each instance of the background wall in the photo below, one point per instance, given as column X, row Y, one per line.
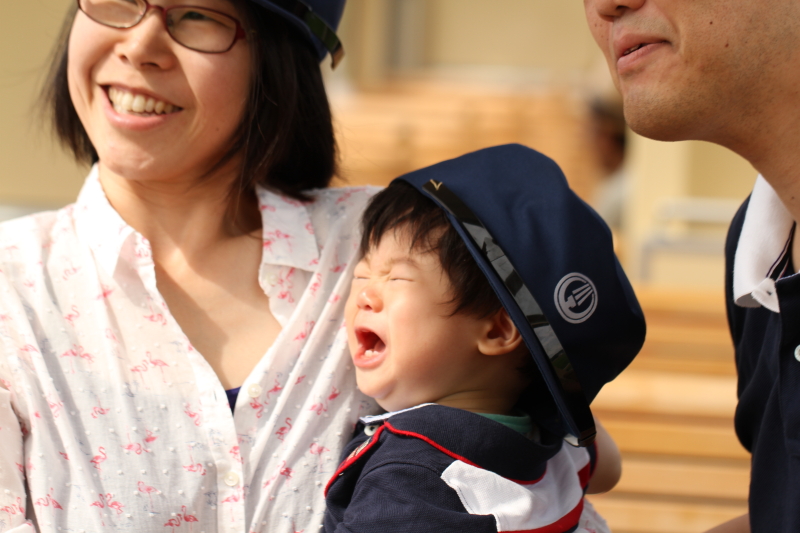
column 513, row 44
column 33, row 171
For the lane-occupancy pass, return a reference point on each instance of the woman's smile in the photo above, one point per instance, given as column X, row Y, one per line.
column 134, row 103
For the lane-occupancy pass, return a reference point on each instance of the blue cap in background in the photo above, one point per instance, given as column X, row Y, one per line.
column 317, row 20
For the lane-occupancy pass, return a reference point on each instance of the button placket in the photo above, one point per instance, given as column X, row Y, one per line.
column 231, row 479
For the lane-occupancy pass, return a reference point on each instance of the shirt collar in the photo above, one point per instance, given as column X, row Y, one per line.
column 99, row 225
column 288, row 234
column 763, row 244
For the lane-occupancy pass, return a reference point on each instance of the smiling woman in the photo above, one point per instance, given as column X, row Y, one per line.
column 203, row 256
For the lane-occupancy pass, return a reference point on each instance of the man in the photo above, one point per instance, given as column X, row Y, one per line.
column 728, row 71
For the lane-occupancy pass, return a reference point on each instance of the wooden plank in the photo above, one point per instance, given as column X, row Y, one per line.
column 685, row 478
column 643, row 391
column 635, row 515
column 675, row 439
column 664, row 363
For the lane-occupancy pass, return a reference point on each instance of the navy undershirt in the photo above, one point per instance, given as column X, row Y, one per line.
column 232, row 394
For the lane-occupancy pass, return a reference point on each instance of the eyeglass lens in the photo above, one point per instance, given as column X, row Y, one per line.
column 197, row 28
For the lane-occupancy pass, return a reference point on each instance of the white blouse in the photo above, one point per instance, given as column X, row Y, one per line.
column 111, row 420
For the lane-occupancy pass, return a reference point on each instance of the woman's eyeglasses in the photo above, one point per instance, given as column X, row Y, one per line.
column 196, row 28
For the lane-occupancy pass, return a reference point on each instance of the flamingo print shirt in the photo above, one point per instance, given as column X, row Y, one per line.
column 110, row 420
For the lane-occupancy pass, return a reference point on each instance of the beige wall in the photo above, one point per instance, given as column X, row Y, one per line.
column 541, row 34
column 32, row 170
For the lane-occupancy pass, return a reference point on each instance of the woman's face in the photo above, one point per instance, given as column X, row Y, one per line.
column 193, row 101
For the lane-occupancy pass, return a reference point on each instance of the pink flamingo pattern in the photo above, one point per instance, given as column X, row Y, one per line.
column 106, row 500
column 105, row 292
column 140, row 369
column 196, row 416
column 283, row 470
column 14, row 508
column 258, row 407
column 188, row 518
column 317, row 449
column 77, row 351
column 107, row 331
column 156, row 316
column 151, row 437
column 134, row 447
column 99, row 410
column 322, row 407
column 48, row 501
column 284, row 430
column 306, row 331
column 97, row 459
column 157, row 363
column 70, row 317
column 146, row 489
column 275, row 389
column 194, row 466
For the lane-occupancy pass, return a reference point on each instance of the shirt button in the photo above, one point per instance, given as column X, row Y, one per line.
column 231, row 479
column 272, row 279
column 797, row 353
column 370, row 430
column 254, row 390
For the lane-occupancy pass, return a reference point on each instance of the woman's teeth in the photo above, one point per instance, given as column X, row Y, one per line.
column 129, row 103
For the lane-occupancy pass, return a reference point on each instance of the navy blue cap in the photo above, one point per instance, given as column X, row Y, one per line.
column 550, row 260
column 317, row 20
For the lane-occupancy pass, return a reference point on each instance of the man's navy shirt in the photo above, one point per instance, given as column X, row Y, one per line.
column 768, row 414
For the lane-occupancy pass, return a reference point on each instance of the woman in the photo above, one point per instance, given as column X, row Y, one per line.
column 203, row 255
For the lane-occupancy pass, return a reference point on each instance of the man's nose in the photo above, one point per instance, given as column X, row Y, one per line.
column 612, row 8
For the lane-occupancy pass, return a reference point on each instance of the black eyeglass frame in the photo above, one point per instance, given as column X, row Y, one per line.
column 240, row 31
column 582, row 429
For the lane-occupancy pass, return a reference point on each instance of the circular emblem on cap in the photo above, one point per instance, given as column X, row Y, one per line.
column 576, row 298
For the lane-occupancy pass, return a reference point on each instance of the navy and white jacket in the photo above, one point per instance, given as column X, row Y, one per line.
column 439, row 469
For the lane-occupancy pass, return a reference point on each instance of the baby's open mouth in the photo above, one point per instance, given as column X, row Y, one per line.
column 370, row 343
column 128, row 103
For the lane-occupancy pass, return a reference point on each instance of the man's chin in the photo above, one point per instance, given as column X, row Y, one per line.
column 660, row 119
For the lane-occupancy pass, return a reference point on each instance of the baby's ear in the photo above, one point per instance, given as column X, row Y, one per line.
column 500, row 336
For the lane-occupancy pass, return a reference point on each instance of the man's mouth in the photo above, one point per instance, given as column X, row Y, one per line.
column 129, row 103
column 632, row 49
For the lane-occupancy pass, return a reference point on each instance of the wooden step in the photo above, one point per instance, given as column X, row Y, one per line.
column 627, row 514
column 663, row 393
column 674, row 438
column 658, row 476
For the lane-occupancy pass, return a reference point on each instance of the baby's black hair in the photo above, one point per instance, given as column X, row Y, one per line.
column 400, row 207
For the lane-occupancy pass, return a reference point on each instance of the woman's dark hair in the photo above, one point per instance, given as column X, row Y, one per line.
column 400, row 207
column 285, row 138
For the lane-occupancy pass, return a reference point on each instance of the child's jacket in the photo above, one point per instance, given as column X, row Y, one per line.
column 439, row 469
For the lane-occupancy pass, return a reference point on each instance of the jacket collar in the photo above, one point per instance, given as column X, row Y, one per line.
column 488, row 444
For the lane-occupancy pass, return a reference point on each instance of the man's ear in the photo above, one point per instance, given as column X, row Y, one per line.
column 500, row 336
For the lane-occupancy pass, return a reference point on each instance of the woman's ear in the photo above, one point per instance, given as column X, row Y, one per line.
column 500, row 336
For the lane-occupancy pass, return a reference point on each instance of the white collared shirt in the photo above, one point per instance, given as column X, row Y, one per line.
column 118, row 423
column 764, row 242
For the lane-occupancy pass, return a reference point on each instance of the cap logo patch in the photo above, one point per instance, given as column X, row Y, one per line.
column 576, row 298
